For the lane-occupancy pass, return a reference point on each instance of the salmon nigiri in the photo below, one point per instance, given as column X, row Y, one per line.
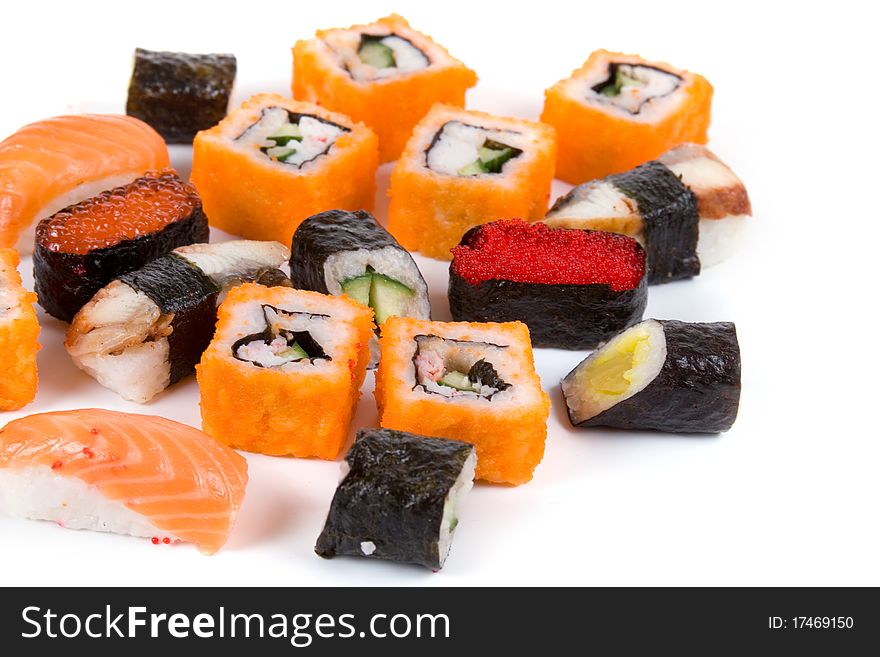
column 118, row 472
column 51, row 164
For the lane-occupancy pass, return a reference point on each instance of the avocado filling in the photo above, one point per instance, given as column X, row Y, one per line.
column 490, row 158
column 291, row 138
column 284, row 340
column 631, row 86
column 390, row 52
column 453, row 368
column 385, row 295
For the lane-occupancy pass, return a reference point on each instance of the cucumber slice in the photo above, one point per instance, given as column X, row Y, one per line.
column 377, row 54
column 456, row 380
column 283, row 140
column 358, row 288
column 280, row 152
column 288, row 130
column 492, row 159
column 388, row 297
column 473, row 169
column 294, row 352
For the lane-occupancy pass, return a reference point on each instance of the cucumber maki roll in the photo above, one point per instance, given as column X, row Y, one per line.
column 663, row 375
column 399, row 499
column 339, row 252
column 179, row 94
column 574, row 289
column 148, row 328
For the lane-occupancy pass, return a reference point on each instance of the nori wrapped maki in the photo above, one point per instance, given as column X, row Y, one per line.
column 81, row 248
column 663, row 375
column 179, row 94
column 658, row 200
column 148, row 328
column 573, row 288
column 399, row 499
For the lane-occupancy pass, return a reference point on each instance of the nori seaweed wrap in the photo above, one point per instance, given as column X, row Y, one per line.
column 339, row 252
column 83, row 247
column 399, row 498
column 663, row 375
column 574, row 289
column 179, row 94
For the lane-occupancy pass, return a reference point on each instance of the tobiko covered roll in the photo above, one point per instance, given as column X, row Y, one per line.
column 19, row 331
column 573, row 288
column 400, row 498
column 687, row 208
column 468, row 381
column 275, row 161
column 179, row 93
column 618, row 111
column 664, row 375
column 385, row 74
column 82, row 248
column 283, row 373
column 461, row 169
column 148, row 328
column 340, row 252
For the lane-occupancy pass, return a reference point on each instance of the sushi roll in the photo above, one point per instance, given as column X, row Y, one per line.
column 282, row 375
column 85, row 246
column 178, row 93
column 461, row 169
column 338, row 252
column 49, row 165
column 385, row 74
column 467, row 381
column 664, row 375
column 687, row 208
column 618, row 111
column 106, row 471
column 400, row 498
column 19, row 331
column 275, row 161
column 574, row 289
column 148, row 328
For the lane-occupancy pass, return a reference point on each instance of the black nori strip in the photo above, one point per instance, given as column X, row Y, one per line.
column 393, row 496
column 483, row 373
column 179, row 94
column 332, row 232
column 697, row 389
column 671, row 223
column 65, row 282
column 558, row 316
column 181, row 290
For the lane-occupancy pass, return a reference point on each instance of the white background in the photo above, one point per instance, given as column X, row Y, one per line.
column 788, row 496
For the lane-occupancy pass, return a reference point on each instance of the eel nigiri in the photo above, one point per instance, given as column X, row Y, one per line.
column 51, row 164
column 18, row 336
column 148, row 328
column 108, row 471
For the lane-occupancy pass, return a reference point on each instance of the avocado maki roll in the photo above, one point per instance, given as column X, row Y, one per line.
column 399, row 499
column 83, row 247
column 178, row 93
column 148, row 328
column 339, row 252
column 664, row 375
column 574, row 289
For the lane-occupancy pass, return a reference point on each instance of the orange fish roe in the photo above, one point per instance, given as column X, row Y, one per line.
column 144, row 206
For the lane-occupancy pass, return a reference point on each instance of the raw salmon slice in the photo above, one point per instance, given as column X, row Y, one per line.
column 118, row 472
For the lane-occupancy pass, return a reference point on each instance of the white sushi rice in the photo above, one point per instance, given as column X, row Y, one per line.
column 720, row 239
column 454, row 503
column 644, row 85
column 457, row 145
column 391, row 262
column 39, row 493
column 317, row 136
column 25, row 244
column 409, row 58
column 581, row 397
column 367, row 548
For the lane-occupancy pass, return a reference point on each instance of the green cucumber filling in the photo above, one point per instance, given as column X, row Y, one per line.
column 291, row 138
column 385, row 295
column 375, row 53
column 491, row 157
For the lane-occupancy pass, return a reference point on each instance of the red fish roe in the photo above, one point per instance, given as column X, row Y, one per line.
column 144, row 206
column 155, row 540
column 515, row 250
